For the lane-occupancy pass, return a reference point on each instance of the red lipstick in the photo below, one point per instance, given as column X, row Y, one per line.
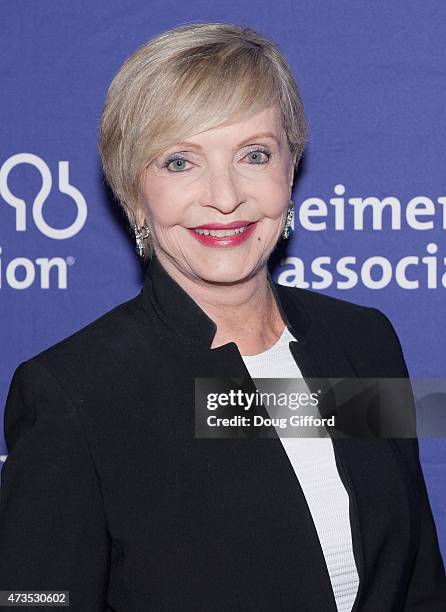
column 233, row 225
column 219, row 241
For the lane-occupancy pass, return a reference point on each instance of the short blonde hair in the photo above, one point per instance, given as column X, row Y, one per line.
column 186, row 80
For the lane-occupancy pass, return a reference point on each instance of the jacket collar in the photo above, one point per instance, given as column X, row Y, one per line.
column 183, row 317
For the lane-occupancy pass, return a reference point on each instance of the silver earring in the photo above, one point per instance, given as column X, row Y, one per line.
column 288, row 229
column 141, row 233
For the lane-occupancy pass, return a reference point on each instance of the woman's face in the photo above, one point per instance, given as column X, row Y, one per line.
column 236, row 178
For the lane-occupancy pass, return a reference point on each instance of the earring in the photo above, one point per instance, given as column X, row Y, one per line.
column 141, row 233
column 288, row 229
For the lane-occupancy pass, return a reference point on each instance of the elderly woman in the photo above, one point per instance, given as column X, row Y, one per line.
column 106, row 492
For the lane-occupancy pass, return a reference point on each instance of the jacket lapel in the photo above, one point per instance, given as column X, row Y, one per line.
column 319, row 356
column 267, row 455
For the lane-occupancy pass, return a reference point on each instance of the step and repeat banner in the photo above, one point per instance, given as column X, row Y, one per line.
column 370, row 194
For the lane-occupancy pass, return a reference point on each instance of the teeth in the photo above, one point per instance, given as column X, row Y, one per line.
column 221, row 233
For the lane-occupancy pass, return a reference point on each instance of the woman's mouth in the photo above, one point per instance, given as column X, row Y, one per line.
column 215, row 235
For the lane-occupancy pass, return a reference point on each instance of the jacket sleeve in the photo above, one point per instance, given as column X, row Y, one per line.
column 426, row 590
column 53, row 533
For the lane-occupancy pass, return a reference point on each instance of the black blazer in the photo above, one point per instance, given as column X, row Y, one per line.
column 107, row 493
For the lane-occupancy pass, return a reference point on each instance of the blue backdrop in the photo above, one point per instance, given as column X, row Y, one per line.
column 371, row 188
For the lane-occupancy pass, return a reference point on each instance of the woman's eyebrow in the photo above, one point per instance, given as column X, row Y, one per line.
column 187, row 143
column 257, row 136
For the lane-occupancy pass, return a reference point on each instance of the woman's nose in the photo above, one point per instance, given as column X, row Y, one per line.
column 224, row 193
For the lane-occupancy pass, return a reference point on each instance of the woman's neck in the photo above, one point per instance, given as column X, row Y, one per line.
column 252, row 319
column 245, row 313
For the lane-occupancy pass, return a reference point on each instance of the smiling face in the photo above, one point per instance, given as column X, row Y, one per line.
column 237, row 177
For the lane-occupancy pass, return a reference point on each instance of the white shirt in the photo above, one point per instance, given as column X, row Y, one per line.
column 313, row 462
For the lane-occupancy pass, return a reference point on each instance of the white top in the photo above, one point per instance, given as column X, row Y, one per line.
column 313, row 461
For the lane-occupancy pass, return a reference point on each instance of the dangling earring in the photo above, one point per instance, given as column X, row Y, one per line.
column 141, row 233
column 288, row 229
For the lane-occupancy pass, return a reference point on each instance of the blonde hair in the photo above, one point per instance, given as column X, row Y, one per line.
column 186, row 80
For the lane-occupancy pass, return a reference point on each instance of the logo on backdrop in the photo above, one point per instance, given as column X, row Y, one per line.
column 22, row 272
column 411, row 271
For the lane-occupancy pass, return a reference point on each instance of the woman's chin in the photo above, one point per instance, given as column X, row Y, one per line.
column 223, row 272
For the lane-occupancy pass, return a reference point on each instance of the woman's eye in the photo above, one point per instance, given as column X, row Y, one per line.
column 176, row 164
column 259, row 156
column 179, row 163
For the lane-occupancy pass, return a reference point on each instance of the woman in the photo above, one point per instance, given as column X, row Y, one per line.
column 106, row 491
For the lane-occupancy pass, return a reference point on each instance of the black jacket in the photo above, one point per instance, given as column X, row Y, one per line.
column 107, row 493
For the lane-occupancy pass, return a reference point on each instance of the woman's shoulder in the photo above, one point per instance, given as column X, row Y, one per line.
column 321, row 301
column 335, row 310
column 85, row 364
column 364, row 332
column 102, row 343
